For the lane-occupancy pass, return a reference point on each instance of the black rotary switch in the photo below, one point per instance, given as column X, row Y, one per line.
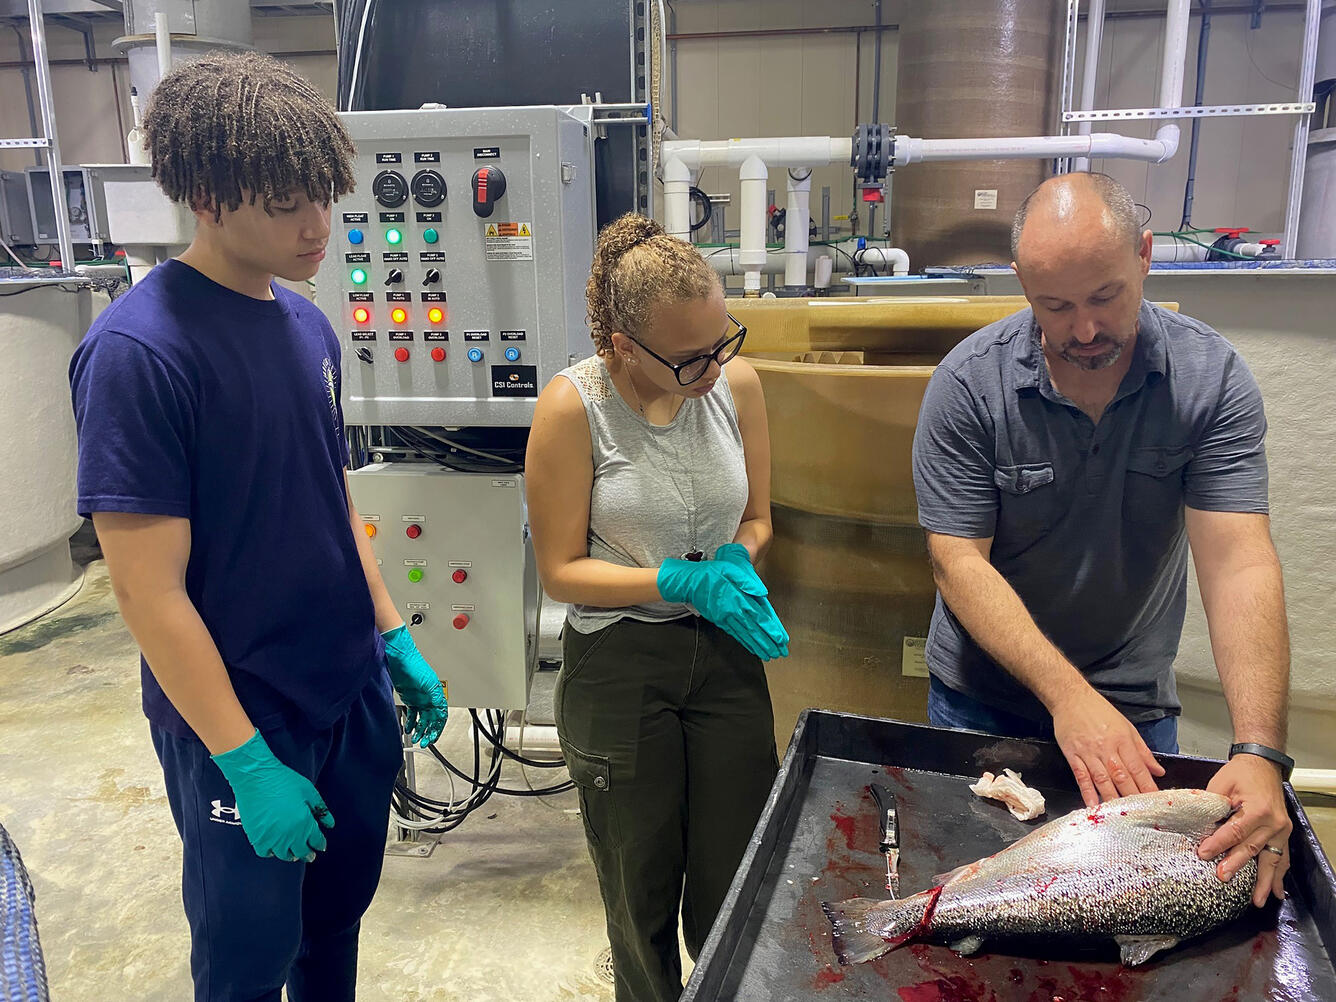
column 394, row 277
column 489, row 184
column 390, row 188
column 428, row 188
column 432, row 277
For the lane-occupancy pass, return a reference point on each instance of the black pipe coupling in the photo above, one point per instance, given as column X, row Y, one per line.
column 873, row 155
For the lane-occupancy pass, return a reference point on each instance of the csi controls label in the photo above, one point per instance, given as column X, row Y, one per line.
column 355, row 217
column 913, row 659
column 361, row 297
column 514, row 380
column 428, row 217
column 395, row 256
column 429, row 256
column 398, row 297
column 364, row 335
column 508, row 242
column 361, row 258
column 512, row 335
column 486, row 153
column 430, row 157
column 391, row 217
column 400, row 335
column 435, row 335
column 477, row 335
column 389, row 158
column 985, row 198
column 433, row 297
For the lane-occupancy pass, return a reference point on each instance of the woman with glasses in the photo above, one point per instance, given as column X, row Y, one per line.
column 648, row 477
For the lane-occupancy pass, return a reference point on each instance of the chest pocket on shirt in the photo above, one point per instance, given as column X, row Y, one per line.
column 1153, row 490
column 1027, row 502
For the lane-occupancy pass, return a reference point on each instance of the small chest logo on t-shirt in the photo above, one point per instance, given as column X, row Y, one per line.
column 331, row 390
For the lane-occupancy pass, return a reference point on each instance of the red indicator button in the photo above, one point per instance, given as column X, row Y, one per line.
column 401, row 354
column 460, row 576
column 461, row 621
column 361, row 315
column 436, row 314
column 438, row 354
column 414, row 531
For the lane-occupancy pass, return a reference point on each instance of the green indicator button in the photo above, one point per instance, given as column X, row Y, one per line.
column 393, row 236
column 430, row 235
column 359, row 276
column 415, row 575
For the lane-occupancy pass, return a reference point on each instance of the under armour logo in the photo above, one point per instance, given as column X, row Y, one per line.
column 219, row 810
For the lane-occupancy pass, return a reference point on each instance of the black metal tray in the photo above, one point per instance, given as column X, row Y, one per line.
column 817, row 841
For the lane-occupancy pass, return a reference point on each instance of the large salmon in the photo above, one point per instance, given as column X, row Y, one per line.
column 1126, row 871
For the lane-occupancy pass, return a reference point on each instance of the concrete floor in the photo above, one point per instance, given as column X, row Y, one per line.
column 506, row 908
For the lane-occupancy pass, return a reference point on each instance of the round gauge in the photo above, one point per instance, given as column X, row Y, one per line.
column 390, row 188
column 428, row 188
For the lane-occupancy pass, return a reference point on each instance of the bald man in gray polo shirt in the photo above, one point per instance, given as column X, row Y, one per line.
column 1065, row 459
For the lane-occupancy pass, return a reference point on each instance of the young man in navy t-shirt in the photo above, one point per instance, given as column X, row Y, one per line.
column 211, row 460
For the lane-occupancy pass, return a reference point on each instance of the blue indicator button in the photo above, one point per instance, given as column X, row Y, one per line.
column 512, row 354
column 354, row 236
column 475, row 354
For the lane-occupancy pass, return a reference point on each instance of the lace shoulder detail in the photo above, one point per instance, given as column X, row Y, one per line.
column 592, row 378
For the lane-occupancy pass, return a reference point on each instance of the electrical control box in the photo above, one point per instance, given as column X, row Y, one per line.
column 454, row 553
column 455, row 273
column 83, row 200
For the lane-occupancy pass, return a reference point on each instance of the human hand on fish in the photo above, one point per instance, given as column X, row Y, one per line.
column 1107, row 754
column 1254, row 788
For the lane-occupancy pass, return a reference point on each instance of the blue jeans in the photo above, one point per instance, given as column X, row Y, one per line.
column 949, row 708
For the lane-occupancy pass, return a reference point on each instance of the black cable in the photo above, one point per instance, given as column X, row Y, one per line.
column 551, row 763
column 707, row 207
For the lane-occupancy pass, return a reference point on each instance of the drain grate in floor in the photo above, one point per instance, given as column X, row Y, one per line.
column 603, row 966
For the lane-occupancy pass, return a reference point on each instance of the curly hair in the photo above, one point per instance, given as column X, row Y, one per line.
column 638, row 266
column 232, row 124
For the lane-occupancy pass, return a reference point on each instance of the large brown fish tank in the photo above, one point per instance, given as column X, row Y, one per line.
column 848, row 570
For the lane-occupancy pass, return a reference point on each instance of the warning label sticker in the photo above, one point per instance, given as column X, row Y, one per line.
column 508, row 242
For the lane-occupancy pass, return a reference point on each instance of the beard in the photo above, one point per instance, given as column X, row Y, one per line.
column 1113, row 350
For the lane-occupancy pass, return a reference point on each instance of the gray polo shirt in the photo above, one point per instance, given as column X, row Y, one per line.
column 1087, row 520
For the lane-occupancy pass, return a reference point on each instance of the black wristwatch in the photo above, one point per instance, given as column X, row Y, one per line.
column 1279, row 757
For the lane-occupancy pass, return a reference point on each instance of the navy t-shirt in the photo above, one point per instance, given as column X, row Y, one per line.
column 198, row 402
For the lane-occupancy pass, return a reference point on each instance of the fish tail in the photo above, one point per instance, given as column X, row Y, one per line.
column 864, row 928
column 848, row 921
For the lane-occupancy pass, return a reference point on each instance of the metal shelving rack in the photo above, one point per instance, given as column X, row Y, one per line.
column 49, row 142
column 1302, row 105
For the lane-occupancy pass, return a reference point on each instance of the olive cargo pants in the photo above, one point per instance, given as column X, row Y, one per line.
column 668, row 733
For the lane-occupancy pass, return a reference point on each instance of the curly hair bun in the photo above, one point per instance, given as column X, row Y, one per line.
column 638, row 267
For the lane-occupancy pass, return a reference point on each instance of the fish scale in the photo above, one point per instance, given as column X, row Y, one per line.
column 1127, row 871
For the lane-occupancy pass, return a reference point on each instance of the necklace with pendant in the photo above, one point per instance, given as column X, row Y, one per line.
column 694, row 554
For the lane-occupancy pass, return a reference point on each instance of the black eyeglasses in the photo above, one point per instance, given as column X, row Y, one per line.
column 693, row 368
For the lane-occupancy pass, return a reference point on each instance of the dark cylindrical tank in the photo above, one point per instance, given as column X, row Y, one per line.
column 972, row 69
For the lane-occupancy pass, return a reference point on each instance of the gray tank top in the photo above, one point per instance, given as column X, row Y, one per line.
column 652, row 482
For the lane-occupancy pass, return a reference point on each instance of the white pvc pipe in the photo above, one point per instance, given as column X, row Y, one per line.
column 893, row 256
column 1094, row 39
column 1171, row 71
column 754, row 176
column 788, row 151
column 164, row 43
column 1177, row 250
column 677, row 198
column 797, row 217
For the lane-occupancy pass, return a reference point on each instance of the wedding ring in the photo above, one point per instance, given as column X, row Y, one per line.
column 1272, row 848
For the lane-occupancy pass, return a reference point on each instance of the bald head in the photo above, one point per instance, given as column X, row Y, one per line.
column 1093, row 205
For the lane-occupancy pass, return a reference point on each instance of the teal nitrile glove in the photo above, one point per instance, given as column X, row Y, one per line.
column 418, row 686
column 278, row 807
column 740, row 556
column 726, row 595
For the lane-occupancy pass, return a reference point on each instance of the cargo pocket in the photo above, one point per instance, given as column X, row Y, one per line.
column 592, row 775
column 1153, row 490
column 1028, row 501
